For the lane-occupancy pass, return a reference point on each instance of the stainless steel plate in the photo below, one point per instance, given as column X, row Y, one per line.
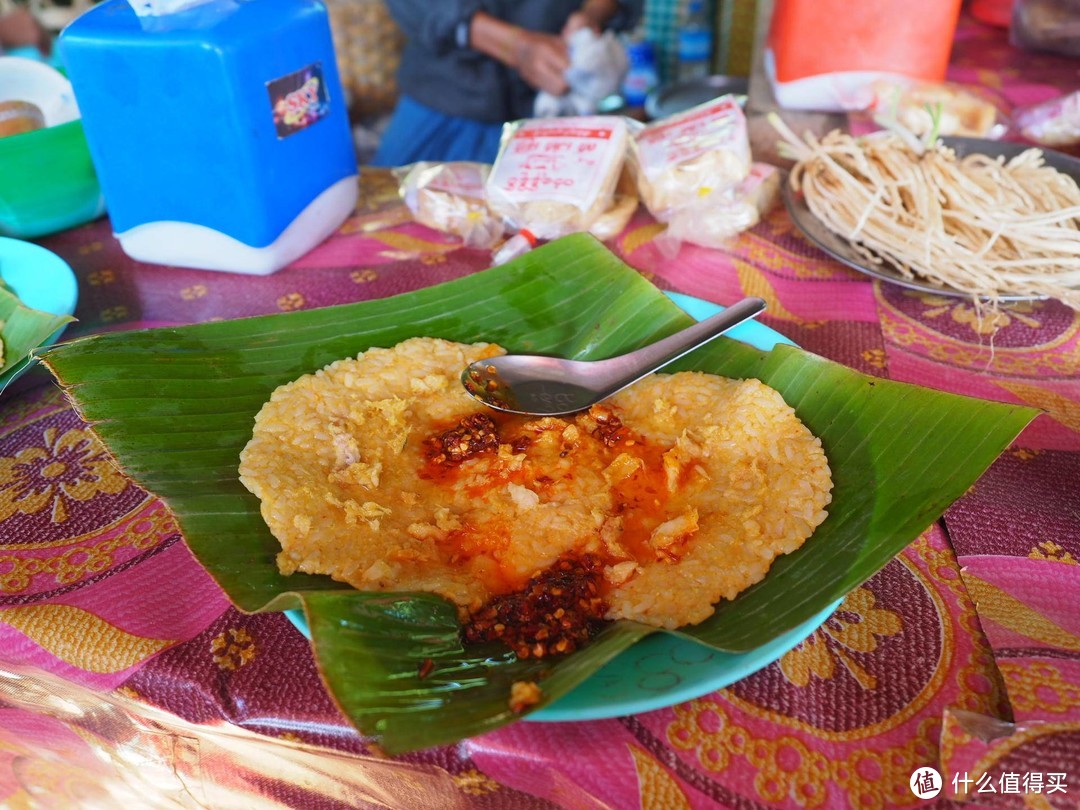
column 678, row 96
column 843, row 250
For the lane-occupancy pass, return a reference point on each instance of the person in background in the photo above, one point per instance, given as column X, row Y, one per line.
column 471, row 65
column 20, row 28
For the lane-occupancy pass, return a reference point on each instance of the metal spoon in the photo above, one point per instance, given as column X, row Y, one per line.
column 549, row 386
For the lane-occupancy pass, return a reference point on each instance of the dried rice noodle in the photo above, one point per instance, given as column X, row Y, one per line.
column 984, row 226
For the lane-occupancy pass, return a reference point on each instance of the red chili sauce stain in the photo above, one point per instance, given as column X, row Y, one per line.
column 555, row 611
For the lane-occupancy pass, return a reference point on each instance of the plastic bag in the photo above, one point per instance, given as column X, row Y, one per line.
column 1053, row 123
column 597, row 67
column 694, row 172
column 942, row 107
column 554, row 177
column 449, row 197
column 609, row 225
column 687, row 158
column 729, row 212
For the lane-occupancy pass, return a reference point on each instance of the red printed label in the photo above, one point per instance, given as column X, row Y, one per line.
column 717, row 125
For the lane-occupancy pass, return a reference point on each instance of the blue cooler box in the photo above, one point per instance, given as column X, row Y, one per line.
column 219, row 132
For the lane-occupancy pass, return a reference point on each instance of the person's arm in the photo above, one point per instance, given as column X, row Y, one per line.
column 446, row 25
column 438, row 26
column 19, row 27
column 601, row 14
column 593, row 14
column 540, row 59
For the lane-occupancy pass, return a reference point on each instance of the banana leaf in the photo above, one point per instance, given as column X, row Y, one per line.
column 176, row 406
column 22, row 329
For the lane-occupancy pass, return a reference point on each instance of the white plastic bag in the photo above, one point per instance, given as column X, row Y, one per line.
column 597, row 67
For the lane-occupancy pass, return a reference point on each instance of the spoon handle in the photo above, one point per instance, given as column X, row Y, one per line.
column 628, row 368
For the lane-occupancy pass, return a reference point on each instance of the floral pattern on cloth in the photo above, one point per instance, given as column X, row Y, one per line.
column 127, row 678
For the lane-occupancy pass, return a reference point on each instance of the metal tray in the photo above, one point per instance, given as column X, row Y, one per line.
column 844, row 251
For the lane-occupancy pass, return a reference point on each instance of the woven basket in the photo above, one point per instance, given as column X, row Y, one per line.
column 368, row 45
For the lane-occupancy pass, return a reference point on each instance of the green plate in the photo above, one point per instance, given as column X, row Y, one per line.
column 46, row 292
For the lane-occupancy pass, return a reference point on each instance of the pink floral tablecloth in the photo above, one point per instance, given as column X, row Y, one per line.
column 127, row 679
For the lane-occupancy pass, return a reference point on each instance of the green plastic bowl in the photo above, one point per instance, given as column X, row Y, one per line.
column 47, row 182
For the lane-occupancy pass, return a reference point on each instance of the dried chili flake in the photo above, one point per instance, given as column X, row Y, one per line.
column 473, row 435
column 556, row 613
column 609, row 428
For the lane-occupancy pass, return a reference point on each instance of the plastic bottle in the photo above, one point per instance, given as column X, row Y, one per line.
column 695, row 42
column 642, row 76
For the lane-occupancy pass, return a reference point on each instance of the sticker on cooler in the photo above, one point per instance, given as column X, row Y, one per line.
column 718, row 124
column 563, row 161
column 298, row 100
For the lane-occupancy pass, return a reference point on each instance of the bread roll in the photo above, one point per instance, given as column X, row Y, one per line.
column 17, row 117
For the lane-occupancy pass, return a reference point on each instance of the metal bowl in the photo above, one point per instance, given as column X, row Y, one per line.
column 682, row 95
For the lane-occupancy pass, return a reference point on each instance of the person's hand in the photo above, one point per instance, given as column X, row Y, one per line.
column 19, row 28
column 579, row 20
column 541, row 60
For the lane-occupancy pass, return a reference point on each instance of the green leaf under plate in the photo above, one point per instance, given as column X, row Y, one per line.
column 176, row 406
column 22, row 329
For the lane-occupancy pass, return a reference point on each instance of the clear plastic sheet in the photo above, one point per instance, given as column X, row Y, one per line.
column 69, row 746
column 1052, row 123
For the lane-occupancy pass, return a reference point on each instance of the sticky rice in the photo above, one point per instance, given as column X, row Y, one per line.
column 380, row 471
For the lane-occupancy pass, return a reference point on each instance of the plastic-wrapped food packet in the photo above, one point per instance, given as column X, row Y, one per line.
column 942, row 107
column 449, row 197
column 1052, row 123
column 554, row 177
column 729, row 213
column 684, row 159
column 624, row 203
column 607, row 226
